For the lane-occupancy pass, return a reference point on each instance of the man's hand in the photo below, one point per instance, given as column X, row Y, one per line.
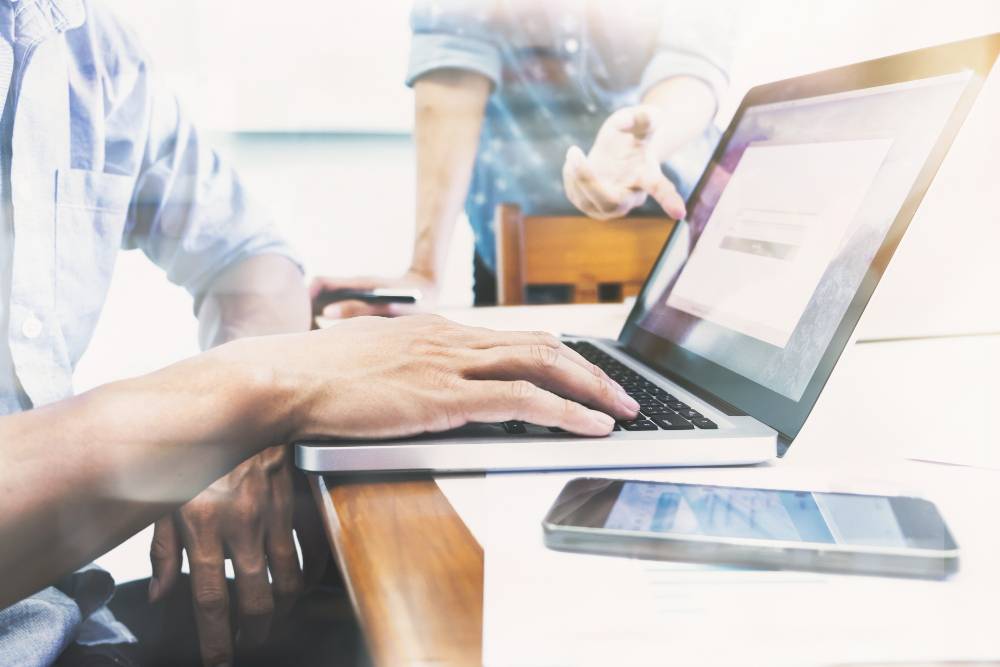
column 375, row 377
column 623, row 168
column 247, row 516
column 344, row 309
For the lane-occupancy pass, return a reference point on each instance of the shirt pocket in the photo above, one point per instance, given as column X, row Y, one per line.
column 91, row 209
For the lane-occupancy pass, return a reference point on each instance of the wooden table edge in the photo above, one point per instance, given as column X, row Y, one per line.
column 413, row 570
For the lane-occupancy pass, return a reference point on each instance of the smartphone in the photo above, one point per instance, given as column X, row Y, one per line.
column 378, row 295
column 749, row 527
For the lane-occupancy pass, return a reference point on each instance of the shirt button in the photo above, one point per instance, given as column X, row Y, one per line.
column 32, row 327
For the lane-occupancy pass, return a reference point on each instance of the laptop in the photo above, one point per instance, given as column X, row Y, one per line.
column 757, row 292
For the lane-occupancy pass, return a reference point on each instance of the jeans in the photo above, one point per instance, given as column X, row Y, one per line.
column 319, row 630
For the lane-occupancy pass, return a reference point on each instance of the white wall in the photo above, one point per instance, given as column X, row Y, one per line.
column 293, row 64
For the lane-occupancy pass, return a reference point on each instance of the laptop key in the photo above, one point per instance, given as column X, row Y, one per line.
column 704, row 423
column 674, row 425
column 690, row 414
column 638, row 425
column 515, row 428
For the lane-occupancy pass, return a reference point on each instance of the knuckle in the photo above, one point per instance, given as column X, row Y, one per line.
column 545, row 357
column 159, row 550
column 288, row 587
column 547, row 339
column 211, row 599
column 216, row 654
column 521, row 391
column 261, row 605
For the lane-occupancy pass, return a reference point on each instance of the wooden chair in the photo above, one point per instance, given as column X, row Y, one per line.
column 594, row 260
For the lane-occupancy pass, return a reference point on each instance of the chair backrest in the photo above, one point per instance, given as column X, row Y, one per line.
column 589, row 260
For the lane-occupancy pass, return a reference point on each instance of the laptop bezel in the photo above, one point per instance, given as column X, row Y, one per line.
column 781, row 413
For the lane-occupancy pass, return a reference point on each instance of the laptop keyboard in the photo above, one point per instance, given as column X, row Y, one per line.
column 658, row 409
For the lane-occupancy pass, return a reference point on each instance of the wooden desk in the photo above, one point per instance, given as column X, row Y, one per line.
column 413, row 569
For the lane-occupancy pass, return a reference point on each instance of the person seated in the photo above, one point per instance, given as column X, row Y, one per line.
column 96, row 156
column 508, row 91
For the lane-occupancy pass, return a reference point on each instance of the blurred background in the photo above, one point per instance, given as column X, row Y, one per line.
column 307, row 99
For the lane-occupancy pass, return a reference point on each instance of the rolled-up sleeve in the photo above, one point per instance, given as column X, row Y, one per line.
column 453, row 34
column 696, row 40
column 190, row 214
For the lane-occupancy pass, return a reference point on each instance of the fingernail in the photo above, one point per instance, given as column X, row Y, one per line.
column 603, row 421
column 627, row 401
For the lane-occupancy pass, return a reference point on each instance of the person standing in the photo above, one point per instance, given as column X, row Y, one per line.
column 509, row 92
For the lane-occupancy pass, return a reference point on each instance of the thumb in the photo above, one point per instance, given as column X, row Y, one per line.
column 165, row 557
column 639, row 123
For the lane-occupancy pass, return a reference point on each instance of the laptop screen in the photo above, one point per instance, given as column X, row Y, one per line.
column 788, row 226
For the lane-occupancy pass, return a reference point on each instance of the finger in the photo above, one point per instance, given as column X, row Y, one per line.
column 495, row 401
column 211, row 601
column 283, row 562
column 254, row 601
column 165, row 557
column 549, row 368
column 663, row 191
column 279, row 544
column 347, row 309
column 486, row 338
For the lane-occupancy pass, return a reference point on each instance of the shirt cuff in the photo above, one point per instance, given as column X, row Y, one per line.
column 668, row 64
column 431, row 51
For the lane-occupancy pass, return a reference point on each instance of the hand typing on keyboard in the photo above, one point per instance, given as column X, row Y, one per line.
column 659, row 410
column 384, row 378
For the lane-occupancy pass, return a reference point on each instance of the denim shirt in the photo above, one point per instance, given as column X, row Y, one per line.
column 100, row 158
column 559, row 69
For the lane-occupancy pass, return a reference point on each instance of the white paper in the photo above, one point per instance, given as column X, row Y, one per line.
column 549, row 608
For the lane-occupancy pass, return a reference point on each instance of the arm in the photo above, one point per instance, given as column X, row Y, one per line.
column 449, row 107
column 449, row 117
column 679, row 110
column 81, row 475
column 248, row 513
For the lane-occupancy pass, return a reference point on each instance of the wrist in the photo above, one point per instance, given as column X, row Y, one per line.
column 424, row 271
column 265, row 396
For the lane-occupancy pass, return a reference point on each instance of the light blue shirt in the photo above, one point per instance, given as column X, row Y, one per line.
column 101, row 159
column 559, row 69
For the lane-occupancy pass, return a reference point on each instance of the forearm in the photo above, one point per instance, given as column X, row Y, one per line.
column 80, row 476
column 449, row 115
column 259, row 296
column 686, row 106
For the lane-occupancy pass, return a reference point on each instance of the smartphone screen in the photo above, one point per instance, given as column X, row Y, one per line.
column 757, row 514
